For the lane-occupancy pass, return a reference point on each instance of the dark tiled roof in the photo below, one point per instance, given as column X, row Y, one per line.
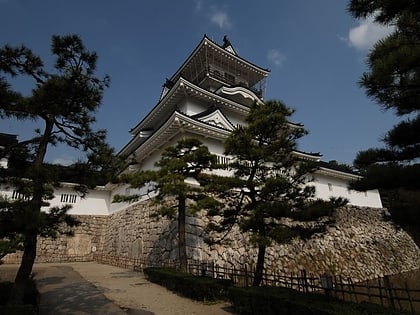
column 7, row 139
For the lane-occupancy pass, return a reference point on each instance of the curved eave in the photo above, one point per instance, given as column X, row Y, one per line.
column 295, row 125
column 316, row 157
column 181, row 89
column 206, row 41
column 177, row 124
column 338, row 174
column 243, row 92
column 128, row 148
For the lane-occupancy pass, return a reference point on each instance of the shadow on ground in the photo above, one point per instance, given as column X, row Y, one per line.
column 64, row 291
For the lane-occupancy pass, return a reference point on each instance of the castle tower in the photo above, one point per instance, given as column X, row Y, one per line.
column 206, row 98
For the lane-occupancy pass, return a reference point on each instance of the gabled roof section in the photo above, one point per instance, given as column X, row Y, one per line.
column 7, row 139
column 228, row 46
column 178, row 123
column 215, row 118
column 181, row 89
column 200, row 52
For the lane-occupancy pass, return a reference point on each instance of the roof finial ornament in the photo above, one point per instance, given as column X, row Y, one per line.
column 226, row 42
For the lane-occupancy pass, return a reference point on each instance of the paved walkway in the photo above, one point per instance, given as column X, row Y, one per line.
column 91, row 288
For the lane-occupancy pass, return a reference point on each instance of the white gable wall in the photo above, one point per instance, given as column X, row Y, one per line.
column 192, row 106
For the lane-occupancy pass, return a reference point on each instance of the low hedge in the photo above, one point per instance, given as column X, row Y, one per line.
column 269, row 300
column 194, row 287
column 260, row 300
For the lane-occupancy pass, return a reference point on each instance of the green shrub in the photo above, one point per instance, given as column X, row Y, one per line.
column 194, row 287
column 269, row 300
column 260, row 300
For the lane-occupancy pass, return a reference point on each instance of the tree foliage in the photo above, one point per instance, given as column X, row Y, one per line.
column 174, row 183
column 269, row 188
column 393, row 81
column 62, row 103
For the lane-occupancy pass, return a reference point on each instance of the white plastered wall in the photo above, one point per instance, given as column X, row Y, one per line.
column 330, row 186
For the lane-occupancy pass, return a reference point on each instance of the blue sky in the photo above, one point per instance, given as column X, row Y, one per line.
column 315, row 50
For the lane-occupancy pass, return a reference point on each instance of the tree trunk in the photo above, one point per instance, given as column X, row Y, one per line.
column 260, row 266
column 25, row 268
column 30, row 236
column 182, row 249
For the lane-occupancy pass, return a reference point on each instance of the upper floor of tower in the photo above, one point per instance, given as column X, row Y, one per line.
column 212, row 66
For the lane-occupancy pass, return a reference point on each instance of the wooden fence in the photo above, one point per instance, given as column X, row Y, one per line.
column 380, row 291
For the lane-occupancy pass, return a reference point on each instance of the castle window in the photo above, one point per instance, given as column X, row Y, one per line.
column 68, row 198
column 19, row 196
column 330, row 187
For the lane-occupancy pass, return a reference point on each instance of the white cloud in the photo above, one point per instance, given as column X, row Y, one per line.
column 367, row 33
column 198, row 5
column 63, row 161
column 276, row 57
column 221, row 19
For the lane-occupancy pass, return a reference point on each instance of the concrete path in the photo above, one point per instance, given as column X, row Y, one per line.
column 91, row 288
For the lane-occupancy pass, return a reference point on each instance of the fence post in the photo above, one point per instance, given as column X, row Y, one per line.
column 327, row 284
column 203, row 269
column 380, row 291
column 409, row 297
column 246, row 276
column 388, row 288
column 350, row 281
column 305, row 280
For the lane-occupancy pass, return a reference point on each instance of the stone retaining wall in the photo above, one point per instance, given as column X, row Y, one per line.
column 361, row 245
column 88, row 238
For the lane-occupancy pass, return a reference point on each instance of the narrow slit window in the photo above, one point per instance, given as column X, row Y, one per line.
column 68, row 198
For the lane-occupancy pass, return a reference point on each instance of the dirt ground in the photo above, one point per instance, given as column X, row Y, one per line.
column 135, row 292
column 91, row 288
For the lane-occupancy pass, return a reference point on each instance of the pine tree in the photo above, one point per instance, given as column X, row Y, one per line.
column 393, row 81
column 173, row 184
column 269, row 187
column 62, row 104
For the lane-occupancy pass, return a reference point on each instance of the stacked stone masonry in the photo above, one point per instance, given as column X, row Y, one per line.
column 362, row 244
column 88, row 238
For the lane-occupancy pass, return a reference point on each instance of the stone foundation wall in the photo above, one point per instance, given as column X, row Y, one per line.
column 361, row 245
column 134, row 233
column 88, row 238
